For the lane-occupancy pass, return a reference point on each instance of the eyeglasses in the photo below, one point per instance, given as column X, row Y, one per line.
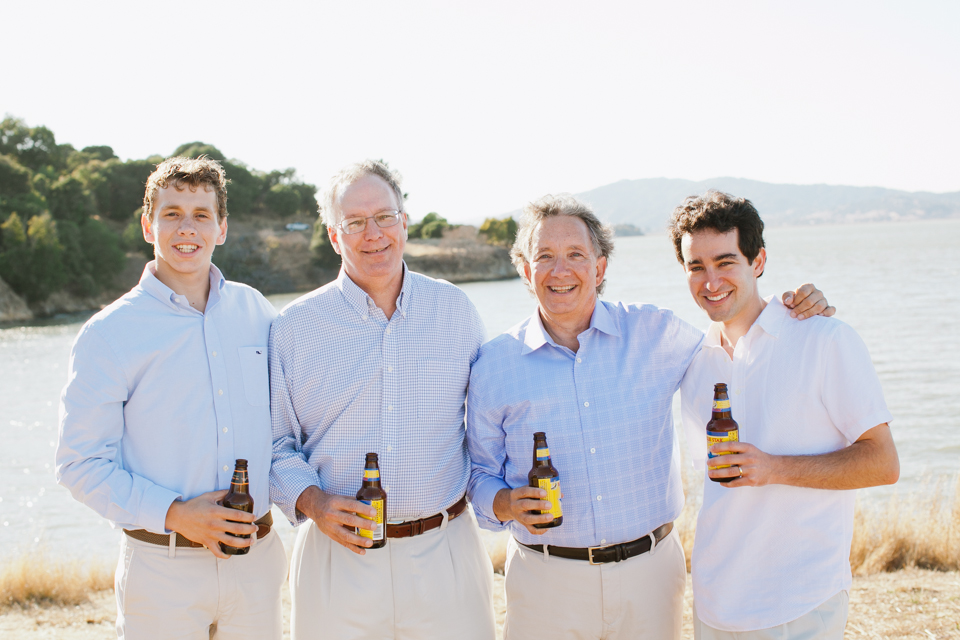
column 383, row 219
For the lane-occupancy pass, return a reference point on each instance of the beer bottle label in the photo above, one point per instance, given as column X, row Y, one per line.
column 713, row 437
column 552, row 487
column 543, row 454
column 377, row 533
column 721, row 405
column 371, row 474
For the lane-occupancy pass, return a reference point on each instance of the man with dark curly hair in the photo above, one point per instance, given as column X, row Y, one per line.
column 771, row 556
column 167, row 388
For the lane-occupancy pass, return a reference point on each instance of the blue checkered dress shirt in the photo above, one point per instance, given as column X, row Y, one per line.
column 346, row 381
column 607, row 414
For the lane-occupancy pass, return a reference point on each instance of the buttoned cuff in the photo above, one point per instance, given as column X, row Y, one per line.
column 482, row 500
column 286, row 496
column 154, row 506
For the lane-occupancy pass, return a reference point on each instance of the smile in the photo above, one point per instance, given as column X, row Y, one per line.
column 562, row 289
column 718, row 297
column 186, row 248
column 375, row 251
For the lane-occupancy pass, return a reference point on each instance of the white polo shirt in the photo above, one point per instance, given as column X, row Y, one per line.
column 764, row 556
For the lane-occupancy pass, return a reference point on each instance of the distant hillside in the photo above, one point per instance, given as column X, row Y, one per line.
column 647, row 203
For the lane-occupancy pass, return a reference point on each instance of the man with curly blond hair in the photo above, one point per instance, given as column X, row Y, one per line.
column 167, row 388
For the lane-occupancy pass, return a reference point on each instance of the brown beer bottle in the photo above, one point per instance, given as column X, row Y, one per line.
column 721, row 428
column 543, row 475
column 373, row 494
column 238, row 498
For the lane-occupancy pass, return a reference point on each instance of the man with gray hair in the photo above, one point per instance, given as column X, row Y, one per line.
column 377, row 361
column 598, row 378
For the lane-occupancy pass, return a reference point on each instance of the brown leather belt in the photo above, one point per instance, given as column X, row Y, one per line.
column 610, row 553
column 416, row 527
column 263, row 528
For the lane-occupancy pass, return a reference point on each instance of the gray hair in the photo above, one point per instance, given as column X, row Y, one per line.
column 601, row 236
column 330, row 204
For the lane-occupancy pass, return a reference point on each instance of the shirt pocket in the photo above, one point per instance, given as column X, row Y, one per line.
column 441, row 390
column 256, row 380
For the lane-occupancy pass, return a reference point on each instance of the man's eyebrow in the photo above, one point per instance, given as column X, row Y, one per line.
column 725, row 256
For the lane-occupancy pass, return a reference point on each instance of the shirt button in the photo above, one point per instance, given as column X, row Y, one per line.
column 599, row 497
column 604, row 541
column 390, row 408
column 593, row 450
column 214, row 354
column 389, row 369
column 738, row 391
column 387, row 489
column 176, row 299
column 226, row 468
column 586, row 404
column 220, row 392
column 389, row 448
column 579, row 360
column 389, row 330
column 224, row 429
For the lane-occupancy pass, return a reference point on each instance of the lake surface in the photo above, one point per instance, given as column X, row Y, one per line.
column 897, row 284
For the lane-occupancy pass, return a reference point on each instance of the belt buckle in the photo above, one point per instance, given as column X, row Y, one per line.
column 590, row 551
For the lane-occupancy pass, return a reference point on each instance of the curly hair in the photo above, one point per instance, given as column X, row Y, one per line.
column 190, row 172
column 601, row 236
column 330, row 205
column 720, row 212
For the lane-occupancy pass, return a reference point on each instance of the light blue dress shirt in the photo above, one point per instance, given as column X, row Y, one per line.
column 345, row 381
column 606, row 411
column 161, row 400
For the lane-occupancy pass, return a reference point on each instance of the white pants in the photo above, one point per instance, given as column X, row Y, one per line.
column 437, row 585
column 826, row 622
column 551, row 597
column 197, row 596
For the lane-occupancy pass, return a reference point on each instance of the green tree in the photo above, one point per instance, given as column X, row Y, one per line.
column 17, row 192
column 432, row 226
column 30, row 261
column 324, row 255
column 197, row 149
column 70, row 199
column 282, row 200
column 500, row 232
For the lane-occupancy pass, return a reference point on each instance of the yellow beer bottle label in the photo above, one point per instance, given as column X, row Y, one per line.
column 377, row 533
column 543, row 454
column 713, row 437
column 552, row 487
column 721, row 405
column 371, row 474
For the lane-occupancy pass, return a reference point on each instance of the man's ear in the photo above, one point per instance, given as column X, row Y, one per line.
column 222, row 237
column 601, row 269
column 334, row 236
column 147, row 226
column 760, row 263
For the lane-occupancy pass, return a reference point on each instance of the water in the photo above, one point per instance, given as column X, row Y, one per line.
column 896, row 284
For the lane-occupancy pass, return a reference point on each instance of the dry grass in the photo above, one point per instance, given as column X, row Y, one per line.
column 922, row 530
column 34, row 578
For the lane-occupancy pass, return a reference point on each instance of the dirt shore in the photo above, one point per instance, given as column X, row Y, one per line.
column 908, row 604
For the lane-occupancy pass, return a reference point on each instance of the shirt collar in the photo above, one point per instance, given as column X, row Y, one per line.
column 363, row 303
column 770, row 320
column 152, row 285
column 536, row 334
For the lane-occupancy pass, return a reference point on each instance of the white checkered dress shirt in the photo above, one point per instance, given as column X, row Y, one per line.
column 606, row 411
column 345, row 381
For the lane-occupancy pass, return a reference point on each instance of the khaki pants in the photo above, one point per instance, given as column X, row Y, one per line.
column 197, row 596
column 551, row 597
column 437, row 585
column 826, row 622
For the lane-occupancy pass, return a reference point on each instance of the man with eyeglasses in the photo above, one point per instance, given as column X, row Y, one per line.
column 377, row 361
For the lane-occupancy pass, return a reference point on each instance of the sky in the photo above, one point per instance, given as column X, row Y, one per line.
column 485, row 106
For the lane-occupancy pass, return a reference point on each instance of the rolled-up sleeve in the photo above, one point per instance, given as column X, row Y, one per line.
column 290, row 472
column 88, row 455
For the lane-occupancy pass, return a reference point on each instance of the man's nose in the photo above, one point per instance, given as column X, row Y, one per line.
column 561, row 266
column 372, row 231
